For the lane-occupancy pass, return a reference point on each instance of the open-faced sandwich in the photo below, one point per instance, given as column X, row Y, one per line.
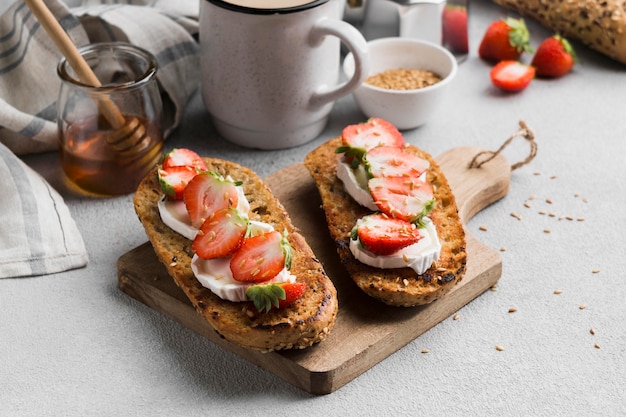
column 391, row 212
column 231, row 247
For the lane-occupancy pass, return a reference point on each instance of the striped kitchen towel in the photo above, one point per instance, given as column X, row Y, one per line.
column 28, row 59
column 37, row 233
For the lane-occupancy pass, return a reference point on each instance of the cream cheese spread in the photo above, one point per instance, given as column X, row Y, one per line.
column 418, row 256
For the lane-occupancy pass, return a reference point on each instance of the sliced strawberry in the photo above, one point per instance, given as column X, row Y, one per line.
column 261, row 257
column 183, row 157
column 279, row 295
column 384, row 235
column 408, row 199
column 505, row 40
column 389, row 161
column 173, row 180
column 555, row 57
column 454, row 28
column 511, row 75
column 221, row 234
column 207, row 193
column 359, row 138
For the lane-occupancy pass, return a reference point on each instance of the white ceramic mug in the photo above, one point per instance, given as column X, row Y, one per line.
column 270, row 68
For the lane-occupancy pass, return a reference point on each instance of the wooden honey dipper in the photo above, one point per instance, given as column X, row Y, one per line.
column 129, row 135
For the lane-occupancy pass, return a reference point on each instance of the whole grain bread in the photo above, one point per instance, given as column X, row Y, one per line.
column 402, row 286
column 601, row 25
column 302, row 324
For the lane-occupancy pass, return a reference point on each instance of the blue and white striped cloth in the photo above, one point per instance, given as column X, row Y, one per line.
column 37, row 233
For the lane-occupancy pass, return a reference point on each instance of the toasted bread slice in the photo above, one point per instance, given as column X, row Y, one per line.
column 400, row 286
column 300, row 325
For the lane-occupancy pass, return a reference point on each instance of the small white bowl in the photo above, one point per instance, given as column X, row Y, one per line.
column 406, row 109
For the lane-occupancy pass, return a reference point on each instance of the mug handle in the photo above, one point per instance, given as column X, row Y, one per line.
column 356, row 44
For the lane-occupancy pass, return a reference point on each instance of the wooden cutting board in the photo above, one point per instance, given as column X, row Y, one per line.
column 366, row 331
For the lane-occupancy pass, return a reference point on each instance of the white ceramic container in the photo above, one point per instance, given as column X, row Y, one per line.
column 406, row 109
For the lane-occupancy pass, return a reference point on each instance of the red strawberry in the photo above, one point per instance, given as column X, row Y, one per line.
column 261, row 257
column 279, row 295
column 512, row 75
column 383, row 235
column 389, row 161
column 505, row 40
column 454, row 29
column 173, row 180
column 207, row 193
column 555, row 57
column 183, row 157
column 359, row 138
column 404, row 198
column 221, row 234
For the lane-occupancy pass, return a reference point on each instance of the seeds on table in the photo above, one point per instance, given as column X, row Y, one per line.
column 403, row 79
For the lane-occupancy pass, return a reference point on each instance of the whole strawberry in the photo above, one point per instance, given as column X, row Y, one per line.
column 505, row 40
column 555, row 57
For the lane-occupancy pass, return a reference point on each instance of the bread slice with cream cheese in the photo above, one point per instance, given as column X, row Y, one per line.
column 399, row 286
column 305, row 322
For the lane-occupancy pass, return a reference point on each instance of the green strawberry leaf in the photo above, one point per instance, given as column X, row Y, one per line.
column 265, row 296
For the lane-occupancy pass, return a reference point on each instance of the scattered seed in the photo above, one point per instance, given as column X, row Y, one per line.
column 512, row 310
column 596, row 345
column 561, row 217
column 595, row 271
column 553, row 177
column 549, row 201
column 585, row 200
column 456, row 317
column 582, row 306
column 483, row 228
column 552, row 214
column 592, row 331
column 536, row 173
column 581, row 219
column 527, row 204
column 517, row 216
column 499, row 348
column 542, row 212
column 546, row 230
column 532, row 197
column 425, row 351
column 494, row 287
column 558, row 291
column 502, row 249
column 576, row 194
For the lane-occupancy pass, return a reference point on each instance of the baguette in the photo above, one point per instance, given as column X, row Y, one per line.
column 302, row 324
column 600, row 25
column 400, row 286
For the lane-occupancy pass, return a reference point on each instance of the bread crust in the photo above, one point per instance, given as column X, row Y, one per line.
column 401, row 286
column 302, row 324
column 601, row 25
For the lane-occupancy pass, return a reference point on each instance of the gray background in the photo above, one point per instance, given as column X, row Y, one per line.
column 73, row 344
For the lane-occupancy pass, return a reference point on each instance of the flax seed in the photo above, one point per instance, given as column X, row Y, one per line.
column 512, row 310
column 595, row 271
column 403, row 79
column 558, row 292
column 582, row 306
column 549, row 201
column 425, row 351
column 499, row 348
column 596, row 345
column 483, row 228
column 546, row 230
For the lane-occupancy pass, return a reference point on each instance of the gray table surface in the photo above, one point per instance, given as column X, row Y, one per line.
column 73, row 344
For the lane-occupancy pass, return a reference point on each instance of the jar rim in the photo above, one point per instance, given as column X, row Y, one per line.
column 115, row 47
